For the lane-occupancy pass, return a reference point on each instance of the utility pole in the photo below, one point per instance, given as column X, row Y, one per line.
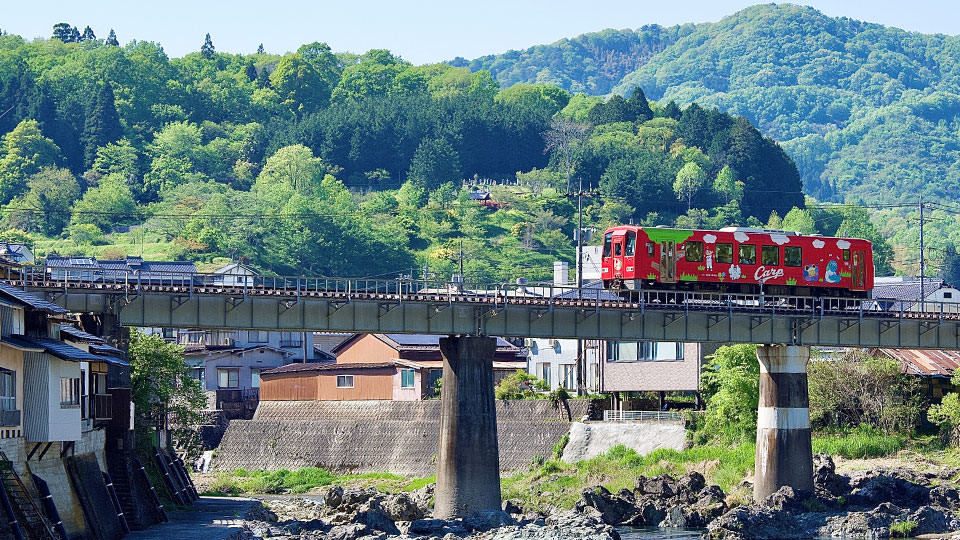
column 922, row 266
column 581, row 361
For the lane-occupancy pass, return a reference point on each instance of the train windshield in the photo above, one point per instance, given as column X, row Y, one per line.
column 607, row 238
column 631, row 243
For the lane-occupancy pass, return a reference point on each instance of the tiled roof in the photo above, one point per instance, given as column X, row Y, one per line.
column 21, row 344
column 103, row 348
column 325, row 366
column 62, row 350
column 75, row 334
column 26, row 299
column 128, row 266
column 199, row 349
column 926, row 363
column 415, row 342
column 904, row 288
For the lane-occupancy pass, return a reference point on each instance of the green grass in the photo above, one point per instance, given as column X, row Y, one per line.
column 242, row 481
column 859, row 444
column 903, row 529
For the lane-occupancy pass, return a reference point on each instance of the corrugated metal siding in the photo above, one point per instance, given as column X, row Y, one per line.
column 6, row 321
column 929, row 363
column 36, row 396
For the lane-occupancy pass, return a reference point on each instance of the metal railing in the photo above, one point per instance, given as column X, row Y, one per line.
column 497, row 295
column 642, row 416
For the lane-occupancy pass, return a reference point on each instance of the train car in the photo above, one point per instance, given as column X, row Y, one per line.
column 737, row 260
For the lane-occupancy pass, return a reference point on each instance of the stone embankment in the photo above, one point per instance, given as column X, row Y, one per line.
column 382, row 436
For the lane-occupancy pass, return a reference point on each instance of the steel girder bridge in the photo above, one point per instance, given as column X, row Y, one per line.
column 216, row 301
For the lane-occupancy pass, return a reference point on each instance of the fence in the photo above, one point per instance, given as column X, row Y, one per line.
column 642, row 416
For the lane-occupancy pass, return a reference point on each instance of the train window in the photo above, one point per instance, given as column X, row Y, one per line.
column 606, row 244
column 617, row 249
column 770, row 255
column 792, row 256
column 747, row 254
column 631, row 243
column 694, row 251
column 650, row 249
column 846, row 254
column 725, row 253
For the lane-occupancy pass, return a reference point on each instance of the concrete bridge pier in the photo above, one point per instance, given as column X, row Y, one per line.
column 468, row 461
column 784, row 454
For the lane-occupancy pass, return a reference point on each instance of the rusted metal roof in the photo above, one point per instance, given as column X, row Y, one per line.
column 926, row 363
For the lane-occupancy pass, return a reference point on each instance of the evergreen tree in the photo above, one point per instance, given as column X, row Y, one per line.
column 263, row 80
column 207, row 50
column 250, row 71
column 672, row 110
column 61, row 31
column 639, row 106
column 260, row 49
column 88, row 34
column 74, row 35
column 102, row 125
column 112, row 39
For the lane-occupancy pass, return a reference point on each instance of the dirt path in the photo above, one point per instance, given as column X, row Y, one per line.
column 210, row 518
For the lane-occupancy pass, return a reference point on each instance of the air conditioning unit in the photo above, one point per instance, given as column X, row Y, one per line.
column 554, row 343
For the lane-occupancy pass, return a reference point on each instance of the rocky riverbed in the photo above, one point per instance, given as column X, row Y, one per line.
column 865, row 504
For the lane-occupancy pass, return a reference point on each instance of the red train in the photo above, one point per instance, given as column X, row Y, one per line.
column 737, row 260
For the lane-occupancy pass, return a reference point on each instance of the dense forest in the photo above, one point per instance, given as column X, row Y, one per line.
column 346, row 164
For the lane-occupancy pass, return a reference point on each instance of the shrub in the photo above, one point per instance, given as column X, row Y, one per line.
column 520, row 385
column 903, row 529
column 561, row 444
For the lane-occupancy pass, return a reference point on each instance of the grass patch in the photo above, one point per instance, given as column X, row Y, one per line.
column 859, row 444
column 242, row 481
column 903, row 529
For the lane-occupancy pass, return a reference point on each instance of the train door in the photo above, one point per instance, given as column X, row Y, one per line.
column 630, row 255
column 858, row 271
column 668, row 262
column 617, row 254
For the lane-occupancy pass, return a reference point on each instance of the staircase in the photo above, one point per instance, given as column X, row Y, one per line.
column 121, row 484
column 32, row 522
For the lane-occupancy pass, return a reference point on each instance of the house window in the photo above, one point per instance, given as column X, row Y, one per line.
column 406, row 378
column 198, row 373
column 99, row 382
column 8, row 395
column 543, row 371
column 257, row 336
column 344, row 381
column 948, row 295
column 290, row 339
column 568, row 376
column 228, row 377
column 195, row 337
column 69, row 392
column 254, row 378
column 644, row 351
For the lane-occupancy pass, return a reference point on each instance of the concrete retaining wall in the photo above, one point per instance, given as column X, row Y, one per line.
column 595, row 438
column 377, row 436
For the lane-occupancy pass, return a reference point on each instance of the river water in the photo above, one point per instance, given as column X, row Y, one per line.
column 657, row 533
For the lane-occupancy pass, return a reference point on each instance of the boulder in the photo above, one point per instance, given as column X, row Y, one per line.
column 376, row 519
column 426, row 527
column 757, row 523
column 690, row 484
column 333, row 496
column 871, row 524
column 871, row 491
column 401, row 507
column 663, row 485
column 826, row 481
column 786, row 499
column 945, row 497
column 613, row 508
column 932, row 520
column 511, row 506
column 352, row 531
column 486, row 520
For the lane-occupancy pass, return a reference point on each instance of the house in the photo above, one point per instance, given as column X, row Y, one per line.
column 235, row 275
column 934, row 367
column 104, row 381
column 16, row 253
column 397, row 367
column 131, row 268
column 897, row 293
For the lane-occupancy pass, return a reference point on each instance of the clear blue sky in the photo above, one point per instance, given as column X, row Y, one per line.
column 421, row 31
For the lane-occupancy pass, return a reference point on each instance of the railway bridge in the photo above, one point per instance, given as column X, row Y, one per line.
column 467, row 464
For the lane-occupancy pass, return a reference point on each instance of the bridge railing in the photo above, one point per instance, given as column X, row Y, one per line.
column 500, row 293
column 642, row 416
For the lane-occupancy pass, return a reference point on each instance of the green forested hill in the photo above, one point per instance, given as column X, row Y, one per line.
column 591, row 63
column 868, row 112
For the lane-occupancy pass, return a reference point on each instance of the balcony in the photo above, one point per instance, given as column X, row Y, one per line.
column 9, row 418
column 102, row 407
